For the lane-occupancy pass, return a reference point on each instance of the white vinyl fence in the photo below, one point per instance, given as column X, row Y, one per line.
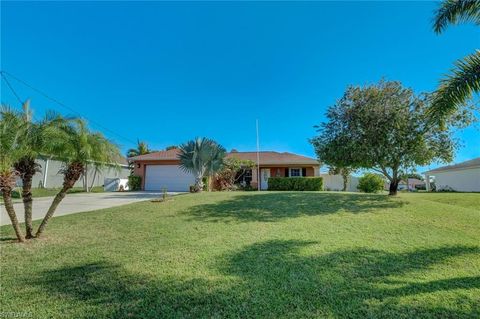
column 50, row 176
column 335, row 183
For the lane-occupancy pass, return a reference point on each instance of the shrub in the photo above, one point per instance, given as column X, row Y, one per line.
column 370, row 183
column 295, row 183
column 134, row 182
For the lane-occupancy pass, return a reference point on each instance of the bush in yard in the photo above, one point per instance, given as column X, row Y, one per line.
column 370, row 183
column 134, row 182
column 295, row 183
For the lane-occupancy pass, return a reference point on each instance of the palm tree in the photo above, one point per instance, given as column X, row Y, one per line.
column 11, row 129
column 78, row 147
column 142, row 148
column 36, row 139
column 464, row 79
column 201, row 157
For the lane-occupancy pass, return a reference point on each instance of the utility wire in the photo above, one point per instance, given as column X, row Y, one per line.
column 11, row 88
column 59, row 103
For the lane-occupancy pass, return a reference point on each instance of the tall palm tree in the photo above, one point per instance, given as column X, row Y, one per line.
column 77, row 148
column 142, row 148
column 11, row 129
column 37, row 139
column 201, row 157
column 464, row 79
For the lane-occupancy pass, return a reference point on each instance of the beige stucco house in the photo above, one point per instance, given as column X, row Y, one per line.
column 161, row 169
column 461, row 177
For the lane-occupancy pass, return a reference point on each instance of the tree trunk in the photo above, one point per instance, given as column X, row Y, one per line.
column 26, row 168
column 56, row 201
column 71, row 175
column 93, row 180
column 198, row 184
column 7, row 200
column 393, row 187
column 345, row 182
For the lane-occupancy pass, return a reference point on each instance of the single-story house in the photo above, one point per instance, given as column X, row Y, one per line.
column 161, row 169
column 461, row 177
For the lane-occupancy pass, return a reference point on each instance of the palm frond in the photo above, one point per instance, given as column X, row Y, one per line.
column 454, row 12
column 457, row 87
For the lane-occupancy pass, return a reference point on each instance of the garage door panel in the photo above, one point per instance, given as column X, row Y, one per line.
column 171, row 177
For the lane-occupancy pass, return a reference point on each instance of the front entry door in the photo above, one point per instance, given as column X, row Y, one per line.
column 265, row 175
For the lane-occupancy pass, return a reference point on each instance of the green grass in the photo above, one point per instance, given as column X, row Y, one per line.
column 45, row 192
column 254, row 254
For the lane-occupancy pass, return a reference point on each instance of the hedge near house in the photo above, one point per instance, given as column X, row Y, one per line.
column 134, row 182
column 295, row 183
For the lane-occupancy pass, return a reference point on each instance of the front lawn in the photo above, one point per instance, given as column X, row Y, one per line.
column 253, row 254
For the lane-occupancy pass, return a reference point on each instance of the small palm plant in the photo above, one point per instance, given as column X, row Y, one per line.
column 201, row 157
column 11, row 130
column 77, row 147
column 457, row 87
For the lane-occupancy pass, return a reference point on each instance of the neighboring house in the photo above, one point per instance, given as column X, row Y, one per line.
column 415, row 183
column 49, row 174
column 461, row 177
column 161, row 169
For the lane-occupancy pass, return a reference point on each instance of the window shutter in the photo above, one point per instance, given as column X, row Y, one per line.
column 304, row 172
column 286, row 172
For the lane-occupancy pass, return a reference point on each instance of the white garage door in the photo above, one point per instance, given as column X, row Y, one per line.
column 170, row 177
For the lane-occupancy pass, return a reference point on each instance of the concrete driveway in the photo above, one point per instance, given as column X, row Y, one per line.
column 76, row 203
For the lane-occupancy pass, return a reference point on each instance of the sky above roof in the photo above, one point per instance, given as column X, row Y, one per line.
column 168, row 72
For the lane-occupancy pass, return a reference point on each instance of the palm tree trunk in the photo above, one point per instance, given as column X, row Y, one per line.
column 26, row 169
column 71, row 175
column 93, row 180
column 27, row 205
column 51, row 210
column 7, row 200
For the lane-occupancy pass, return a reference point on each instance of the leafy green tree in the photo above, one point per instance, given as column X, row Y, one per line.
column 344, row 172
column 78, row 147
column 383, row 127
column 11, row 129
column 464, row 80
column 171, row 147
column 201, row 157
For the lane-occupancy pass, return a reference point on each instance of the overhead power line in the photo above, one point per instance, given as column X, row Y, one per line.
column 11, row 88
column 4, row 73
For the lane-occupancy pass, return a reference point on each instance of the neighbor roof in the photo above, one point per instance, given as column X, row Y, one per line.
column 266, row 158
column 463, row 165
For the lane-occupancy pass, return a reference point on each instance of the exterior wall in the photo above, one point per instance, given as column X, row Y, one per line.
column 310, row 172
column 50, row 176
column 335, row 183
column 465, row 180
column 139, row 167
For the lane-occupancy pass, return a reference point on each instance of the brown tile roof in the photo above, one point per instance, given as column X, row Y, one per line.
column 157, row 156
column 463, row 165
column 266, row 158
column 275, row 158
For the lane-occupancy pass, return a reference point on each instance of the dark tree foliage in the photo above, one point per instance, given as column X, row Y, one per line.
column 384, row 127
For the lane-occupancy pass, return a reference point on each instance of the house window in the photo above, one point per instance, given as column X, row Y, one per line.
column 295, row 172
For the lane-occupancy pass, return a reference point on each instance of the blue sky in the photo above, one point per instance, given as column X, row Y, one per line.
column 167, row 72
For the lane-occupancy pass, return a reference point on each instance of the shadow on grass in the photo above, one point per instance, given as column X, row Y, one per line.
column 273, row 279
column 267, row 207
